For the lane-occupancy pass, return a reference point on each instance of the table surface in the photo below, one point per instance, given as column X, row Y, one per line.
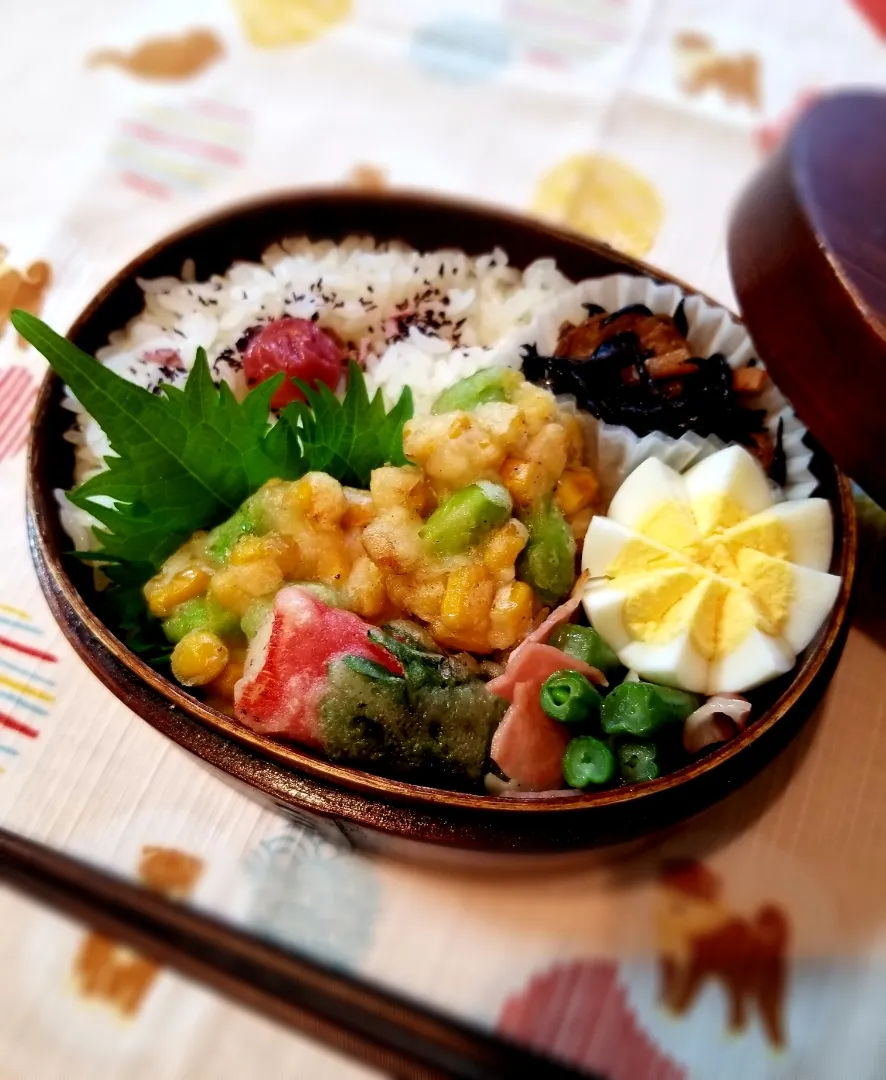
column 633, row 120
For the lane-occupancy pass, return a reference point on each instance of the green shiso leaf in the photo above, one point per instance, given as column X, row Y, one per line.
column 185, row 459
column 348, row 438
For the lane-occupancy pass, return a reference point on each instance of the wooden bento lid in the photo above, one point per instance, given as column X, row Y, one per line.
column 807, row 249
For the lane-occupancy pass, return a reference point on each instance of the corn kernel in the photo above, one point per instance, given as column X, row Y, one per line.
column 502, row 548
column 395, row 487
column 237, row 586
column 320, row 498
column 527, row 481
column 575, row 439
column 467, row 599
column 246, row 549
column 360, row 509
column 199, row 658
column 285, row 552
column 163, row 595
column 576, row 489
column 223, row 685
column 366, row 588
column 511, row 616
column 579, row 523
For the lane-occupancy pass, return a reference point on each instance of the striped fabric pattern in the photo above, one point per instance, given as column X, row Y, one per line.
column 167, row 150
column 27, row 686
column 18, row 389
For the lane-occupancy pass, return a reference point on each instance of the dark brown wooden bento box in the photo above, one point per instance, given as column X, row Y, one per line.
column 370, row 811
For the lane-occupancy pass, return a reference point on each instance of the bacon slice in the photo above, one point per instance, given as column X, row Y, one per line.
column 534, row 662
column 286, row 666
column 557, row 617
column 528, row 746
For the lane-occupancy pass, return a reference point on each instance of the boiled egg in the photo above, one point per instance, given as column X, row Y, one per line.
column 702, row 581
column 801, row 532
column 654, row 502
column 725, row 489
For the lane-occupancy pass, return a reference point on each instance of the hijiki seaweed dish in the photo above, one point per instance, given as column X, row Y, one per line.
column 443, row 520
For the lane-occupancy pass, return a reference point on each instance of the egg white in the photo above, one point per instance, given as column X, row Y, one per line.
column 650, row 485
column 809, row 524
column 755, row 661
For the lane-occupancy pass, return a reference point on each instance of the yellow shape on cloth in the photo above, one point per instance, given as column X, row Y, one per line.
column 604, row 198
column 268, row 23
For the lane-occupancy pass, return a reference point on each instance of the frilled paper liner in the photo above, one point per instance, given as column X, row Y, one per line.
column 614, row 450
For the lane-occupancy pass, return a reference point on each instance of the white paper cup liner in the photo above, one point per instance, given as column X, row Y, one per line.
column 615, row 450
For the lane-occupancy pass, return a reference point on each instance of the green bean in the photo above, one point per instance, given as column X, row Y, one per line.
column 584, row 643
column 201, row 613
column 569, row 697
column 548, row 560
column 640, row 709
column 636, row 761
column 490, row 384
column 587, row 761
column 467, row 516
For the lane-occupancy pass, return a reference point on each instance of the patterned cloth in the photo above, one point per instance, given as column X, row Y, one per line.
column 748, row 942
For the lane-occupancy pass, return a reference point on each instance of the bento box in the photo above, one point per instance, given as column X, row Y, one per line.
column 646, row 628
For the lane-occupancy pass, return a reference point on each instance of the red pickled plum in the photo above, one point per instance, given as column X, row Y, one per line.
column 300, row 349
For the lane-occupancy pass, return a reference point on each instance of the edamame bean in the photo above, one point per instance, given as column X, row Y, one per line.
column 201, row 613
column 490, row 384
column 548, row 560
column 465, row 518
column 222, row 538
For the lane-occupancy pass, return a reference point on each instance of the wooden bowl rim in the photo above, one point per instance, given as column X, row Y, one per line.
column 368, row 784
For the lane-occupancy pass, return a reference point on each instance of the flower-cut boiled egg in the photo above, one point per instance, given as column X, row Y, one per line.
column 703, row 581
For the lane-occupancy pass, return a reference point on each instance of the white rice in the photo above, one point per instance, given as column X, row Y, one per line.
column 464, row 313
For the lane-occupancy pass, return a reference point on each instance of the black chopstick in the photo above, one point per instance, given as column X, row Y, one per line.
column 354, row 1017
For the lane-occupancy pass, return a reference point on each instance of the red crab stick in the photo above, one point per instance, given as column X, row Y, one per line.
column 286, row 667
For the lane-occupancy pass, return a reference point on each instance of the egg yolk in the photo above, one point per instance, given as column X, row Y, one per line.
column 772, row 583
column 717, row 512
column 739, row 581
column 637, row 556
column 671, row 524
column 715, row 555
column 656, row 608
column 762, row 534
